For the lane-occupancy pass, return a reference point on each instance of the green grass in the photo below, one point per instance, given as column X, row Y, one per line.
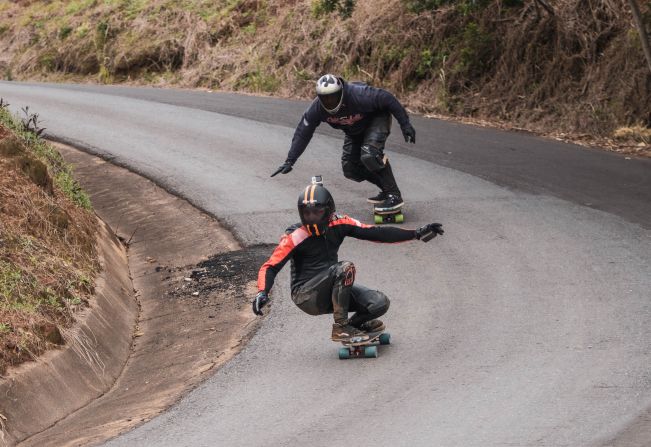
column 10, row 280
column 61, row 172
column 75, row 7
column 259, row 81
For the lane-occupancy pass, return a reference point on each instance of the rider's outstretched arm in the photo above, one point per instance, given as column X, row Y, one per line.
column 302, row 136
column 354, row 228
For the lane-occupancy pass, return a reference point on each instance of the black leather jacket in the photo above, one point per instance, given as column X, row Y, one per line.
column 361, row 103
column 311, row 254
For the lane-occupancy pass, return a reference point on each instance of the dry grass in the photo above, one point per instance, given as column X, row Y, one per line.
column 579, row 72
column 48, row 263
column 638, row 134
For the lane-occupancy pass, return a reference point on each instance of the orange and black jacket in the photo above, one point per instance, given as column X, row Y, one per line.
column 311, row 254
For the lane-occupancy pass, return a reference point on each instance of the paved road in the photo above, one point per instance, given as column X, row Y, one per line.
column 527, row 324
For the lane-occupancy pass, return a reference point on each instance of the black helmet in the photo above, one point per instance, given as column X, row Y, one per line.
column 315, row 206
column 330, row 90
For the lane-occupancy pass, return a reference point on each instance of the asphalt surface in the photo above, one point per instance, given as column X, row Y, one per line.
column 527, row 324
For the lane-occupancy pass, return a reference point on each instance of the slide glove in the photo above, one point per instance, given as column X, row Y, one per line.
column 409, row 133
column 429, row 231
column 260, row 300
column 284, row 168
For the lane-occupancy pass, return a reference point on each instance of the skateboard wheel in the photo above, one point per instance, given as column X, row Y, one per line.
column 378, row 219
column 370, row 351
column 385, row 338
column 400, row 218
column 344, row 353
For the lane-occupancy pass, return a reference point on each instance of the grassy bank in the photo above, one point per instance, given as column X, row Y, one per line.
column 48, row 259
column 576, row 70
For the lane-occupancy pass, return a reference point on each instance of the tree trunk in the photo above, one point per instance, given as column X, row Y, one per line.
column 642, row 30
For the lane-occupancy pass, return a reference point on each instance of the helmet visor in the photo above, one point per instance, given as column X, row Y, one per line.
column 331, row 101
column 313, row 215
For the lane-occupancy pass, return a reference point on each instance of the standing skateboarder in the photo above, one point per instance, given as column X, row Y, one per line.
column 321, row 284
column 364, row 114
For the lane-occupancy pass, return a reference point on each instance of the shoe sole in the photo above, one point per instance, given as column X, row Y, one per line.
column 378, row 329
column 374, row 201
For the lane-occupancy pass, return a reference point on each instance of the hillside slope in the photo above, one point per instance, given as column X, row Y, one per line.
column 575, row 69
column 48, row 258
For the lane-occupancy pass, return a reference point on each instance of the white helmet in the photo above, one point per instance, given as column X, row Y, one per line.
column 330, row 90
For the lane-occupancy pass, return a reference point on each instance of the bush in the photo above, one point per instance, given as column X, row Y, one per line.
column 323, row 7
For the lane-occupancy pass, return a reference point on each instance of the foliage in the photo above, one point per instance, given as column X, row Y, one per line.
column 464, row 6
column 345, row 8
column 29, row 131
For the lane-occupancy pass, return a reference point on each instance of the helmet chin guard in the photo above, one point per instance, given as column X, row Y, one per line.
column 315, row 197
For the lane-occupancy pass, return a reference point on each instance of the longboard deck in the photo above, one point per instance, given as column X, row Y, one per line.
column 394, row 211
column 372, row 337
column 366, row 348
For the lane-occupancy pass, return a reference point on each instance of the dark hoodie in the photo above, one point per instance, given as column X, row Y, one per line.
column 361, row 103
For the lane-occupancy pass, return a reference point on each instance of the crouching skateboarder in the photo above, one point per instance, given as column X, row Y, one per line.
column 320, row 283
column 364, row 114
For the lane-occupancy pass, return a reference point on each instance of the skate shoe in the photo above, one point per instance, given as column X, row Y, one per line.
column 381, row 197
column 372, row 326
column 346, row 332
column 392, row 203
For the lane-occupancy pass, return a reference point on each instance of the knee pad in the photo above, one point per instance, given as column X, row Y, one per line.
column 372, row 158
column 352, row 171
column 346, row 273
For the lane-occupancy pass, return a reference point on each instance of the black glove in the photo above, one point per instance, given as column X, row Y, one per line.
column 260, row 300
column 284, row 168
column 429, row 231
column 409, row 133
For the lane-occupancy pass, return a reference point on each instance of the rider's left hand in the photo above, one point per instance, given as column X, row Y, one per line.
column 429, row 231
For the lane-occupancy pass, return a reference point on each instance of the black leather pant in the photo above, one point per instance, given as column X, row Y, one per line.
column 363, row 156
column 333, row 292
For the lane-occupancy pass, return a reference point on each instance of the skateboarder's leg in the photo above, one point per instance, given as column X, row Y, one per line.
column 329, row 292
column 315, row 296
column 351, row 164
column 367, row 304
column 373, row 157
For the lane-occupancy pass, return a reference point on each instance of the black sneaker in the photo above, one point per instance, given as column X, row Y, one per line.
column 346, row 332
column 372, row 326
column 381, row 197
column 391, row 203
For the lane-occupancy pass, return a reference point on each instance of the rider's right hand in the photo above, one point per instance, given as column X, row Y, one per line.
column 260, row 300
column 409, row 133
column 284, row 168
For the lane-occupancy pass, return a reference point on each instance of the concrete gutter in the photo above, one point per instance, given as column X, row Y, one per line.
column 187, row 328
column 37, row 394
column 130, row 360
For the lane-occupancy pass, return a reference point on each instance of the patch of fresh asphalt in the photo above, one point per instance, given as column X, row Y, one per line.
column 526, row 324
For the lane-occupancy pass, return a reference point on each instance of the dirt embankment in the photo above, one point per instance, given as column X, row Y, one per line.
column 79, row 365
column 193, row 283
column 48, row 257
column 574, row 70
